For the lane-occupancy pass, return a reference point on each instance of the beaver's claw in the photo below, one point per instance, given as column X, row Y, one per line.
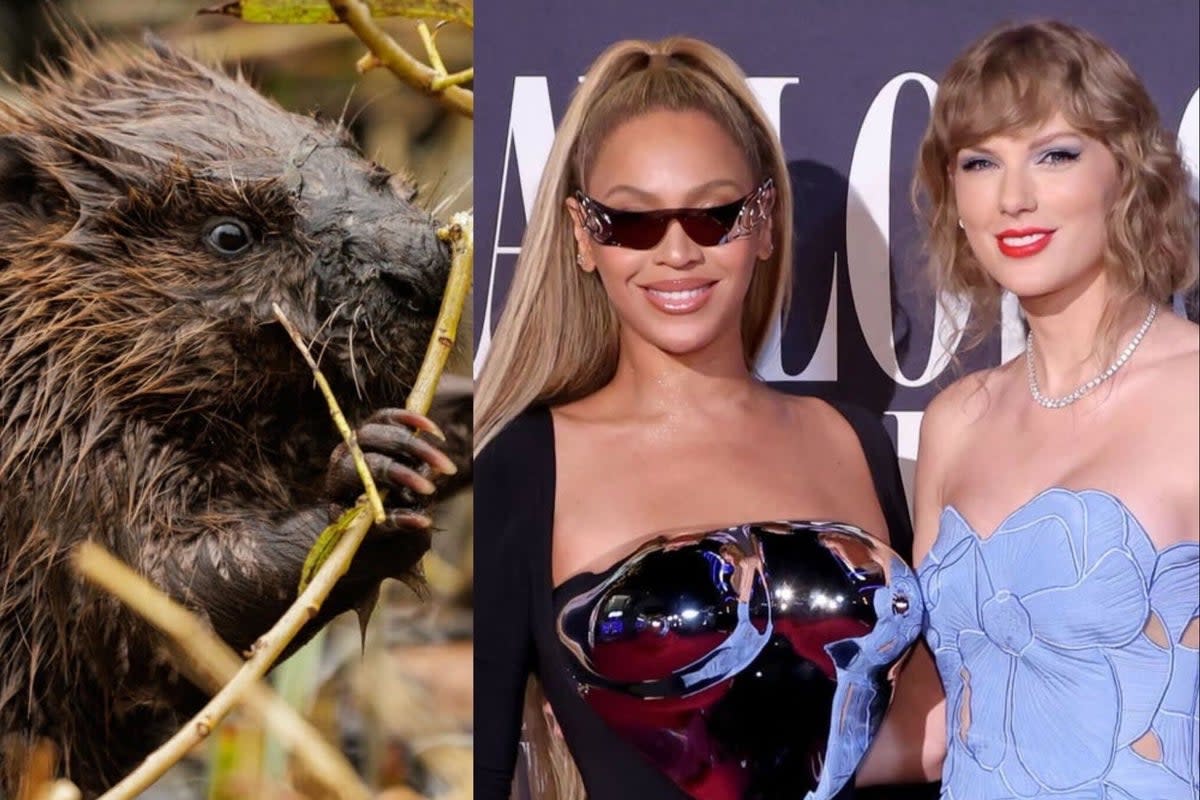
column 399, row 460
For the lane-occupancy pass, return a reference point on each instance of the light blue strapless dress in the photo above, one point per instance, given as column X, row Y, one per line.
column 1059, row 641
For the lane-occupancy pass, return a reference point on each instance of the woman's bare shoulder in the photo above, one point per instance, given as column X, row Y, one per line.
column 969, row 398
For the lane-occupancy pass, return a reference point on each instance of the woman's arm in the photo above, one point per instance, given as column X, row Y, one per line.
column 503, row 640
column 911, row 744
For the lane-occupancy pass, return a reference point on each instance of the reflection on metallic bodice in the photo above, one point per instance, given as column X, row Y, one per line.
column 750, row 662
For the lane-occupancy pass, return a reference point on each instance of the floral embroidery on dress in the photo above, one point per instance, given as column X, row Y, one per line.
column 1059, row 641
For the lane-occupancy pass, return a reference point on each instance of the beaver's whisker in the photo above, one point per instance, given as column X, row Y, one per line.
column 341, row 120
column 358, row 389
column 371, row 330
column 328, row 320
column 361, row 109
column 449, row 199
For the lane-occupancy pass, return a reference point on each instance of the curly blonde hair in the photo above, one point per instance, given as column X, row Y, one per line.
column 551, row 299
column 1017, row 77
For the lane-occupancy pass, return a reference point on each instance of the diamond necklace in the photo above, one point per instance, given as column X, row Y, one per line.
column 1049, row 402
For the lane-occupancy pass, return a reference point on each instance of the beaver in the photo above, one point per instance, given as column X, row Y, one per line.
column 152, row 209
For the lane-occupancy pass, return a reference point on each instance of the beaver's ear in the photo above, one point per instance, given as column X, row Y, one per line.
column 23, row 183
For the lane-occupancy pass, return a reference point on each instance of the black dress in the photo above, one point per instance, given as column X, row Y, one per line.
column 515, row 612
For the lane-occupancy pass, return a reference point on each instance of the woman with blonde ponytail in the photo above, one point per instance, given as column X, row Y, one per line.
column 618, row 401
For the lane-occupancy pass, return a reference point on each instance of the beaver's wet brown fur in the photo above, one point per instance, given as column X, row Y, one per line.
column 151, row 211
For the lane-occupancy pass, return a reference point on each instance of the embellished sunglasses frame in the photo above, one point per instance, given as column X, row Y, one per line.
column 707, row 227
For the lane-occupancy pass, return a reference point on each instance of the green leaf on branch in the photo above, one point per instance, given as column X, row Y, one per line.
column 325, row 543
column 316, row 12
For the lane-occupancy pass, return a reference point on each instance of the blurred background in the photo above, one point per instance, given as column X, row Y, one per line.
column 400, row 707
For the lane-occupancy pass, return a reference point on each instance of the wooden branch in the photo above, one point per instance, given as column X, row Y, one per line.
column 435, row 58
column 357, row 16
column 312, row 12
column 454, row 79
column 461, row 235
column 216, row 662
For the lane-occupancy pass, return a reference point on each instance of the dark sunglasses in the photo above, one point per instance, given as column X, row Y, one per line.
column 707, row 227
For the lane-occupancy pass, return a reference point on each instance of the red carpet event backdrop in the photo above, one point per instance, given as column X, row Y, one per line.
column 849, row 87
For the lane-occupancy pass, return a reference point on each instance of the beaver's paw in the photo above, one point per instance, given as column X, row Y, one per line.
column 399, row 461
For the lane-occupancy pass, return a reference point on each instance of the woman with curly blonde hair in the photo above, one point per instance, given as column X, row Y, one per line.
column 1057, row 501
column 618, row 401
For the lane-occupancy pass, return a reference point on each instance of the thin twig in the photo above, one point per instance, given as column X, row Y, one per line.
column 454, row 79
column 357, row 16
column 218, row 664
column 339, row 419
column 435, row 58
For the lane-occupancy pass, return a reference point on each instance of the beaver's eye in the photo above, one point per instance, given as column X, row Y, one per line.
column 227, row 236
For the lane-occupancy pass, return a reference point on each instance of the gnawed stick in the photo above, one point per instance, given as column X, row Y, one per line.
column 460, row 233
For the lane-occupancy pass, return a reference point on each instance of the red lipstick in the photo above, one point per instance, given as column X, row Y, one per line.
column 1023, row 242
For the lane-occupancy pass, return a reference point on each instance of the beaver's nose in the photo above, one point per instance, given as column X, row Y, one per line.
column 409, row 294
column 416, row 274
